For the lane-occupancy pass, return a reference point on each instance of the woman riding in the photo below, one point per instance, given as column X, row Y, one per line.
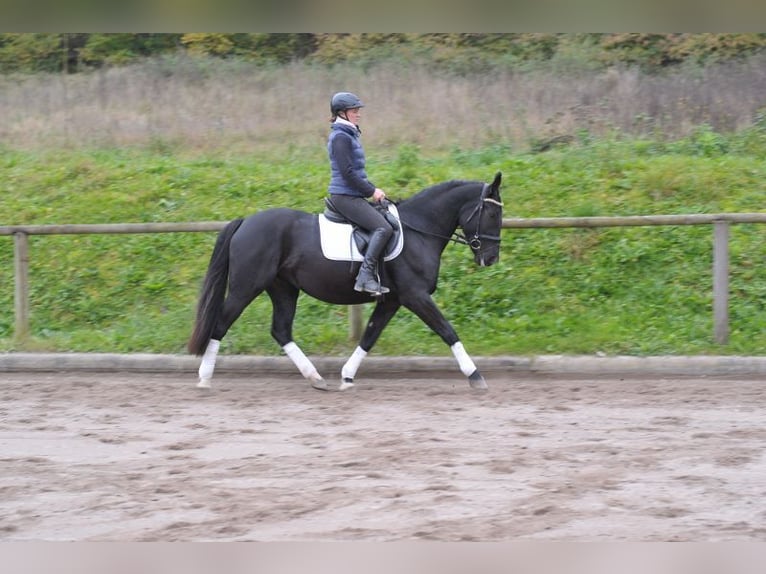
column 350, row 189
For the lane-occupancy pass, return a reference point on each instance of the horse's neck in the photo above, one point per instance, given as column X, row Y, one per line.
column 439, row 211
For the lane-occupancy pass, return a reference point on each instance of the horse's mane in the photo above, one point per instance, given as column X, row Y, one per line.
column 435, row 189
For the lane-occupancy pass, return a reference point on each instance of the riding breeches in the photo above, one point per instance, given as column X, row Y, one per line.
column 361, row 212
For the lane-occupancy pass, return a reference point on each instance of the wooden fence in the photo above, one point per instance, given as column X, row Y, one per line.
column 720, row 222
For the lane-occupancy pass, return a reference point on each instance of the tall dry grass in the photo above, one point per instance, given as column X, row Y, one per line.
column 205, row 103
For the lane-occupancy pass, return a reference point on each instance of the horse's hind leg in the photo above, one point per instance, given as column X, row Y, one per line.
column 284, row 298
column 207, row 365
column 233, row 306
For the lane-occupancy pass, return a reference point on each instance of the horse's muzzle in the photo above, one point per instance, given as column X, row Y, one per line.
column 486, row 259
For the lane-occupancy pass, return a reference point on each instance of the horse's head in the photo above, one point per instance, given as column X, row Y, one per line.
column 482, row 223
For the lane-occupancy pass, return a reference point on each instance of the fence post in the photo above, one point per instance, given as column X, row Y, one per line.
column 355, row 322
column 21, row 292
column 721, row 282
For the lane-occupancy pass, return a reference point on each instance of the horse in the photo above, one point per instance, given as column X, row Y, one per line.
column 278, row 250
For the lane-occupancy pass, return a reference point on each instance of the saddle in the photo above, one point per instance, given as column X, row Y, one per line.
column 334, row 227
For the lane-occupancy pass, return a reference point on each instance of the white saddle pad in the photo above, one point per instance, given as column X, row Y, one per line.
column 338, row 245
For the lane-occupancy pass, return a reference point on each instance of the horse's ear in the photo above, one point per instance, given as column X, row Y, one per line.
column 496, row 184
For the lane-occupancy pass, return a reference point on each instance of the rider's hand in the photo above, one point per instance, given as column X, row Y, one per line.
column 378, row 194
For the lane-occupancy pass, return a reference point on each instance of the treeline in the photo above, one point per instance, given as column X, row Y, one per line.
column 458, row 52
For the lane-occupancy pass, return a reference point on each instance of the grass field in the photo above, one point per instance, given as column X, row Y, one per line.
column 630, row 291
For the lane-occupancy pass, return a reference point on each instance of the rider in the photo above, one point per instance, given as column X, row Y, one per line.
column 350, row 188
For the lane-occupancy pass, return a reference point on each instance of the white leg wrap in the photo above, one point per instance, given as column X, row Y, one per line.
column 301, row 361
column 349, row 369
column 208, row 360
column 467, row 366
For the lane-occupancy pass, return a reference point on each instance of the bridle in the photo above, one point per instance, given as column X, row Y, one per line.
column 475, row 241
column 457, row 237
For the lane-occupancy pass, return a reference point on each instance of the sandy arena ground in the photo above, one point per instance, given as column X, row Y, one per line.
column 140, row 457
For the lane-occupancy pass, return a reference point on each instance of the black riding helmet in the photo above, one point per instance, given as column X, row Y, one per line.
column 343, row 101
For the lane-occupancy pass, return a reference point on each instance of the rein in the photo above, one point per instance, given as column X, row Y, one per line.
column 458, row 237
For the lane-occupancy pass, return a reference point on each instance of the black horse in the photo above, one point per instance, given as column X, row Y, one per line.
column 278, row 251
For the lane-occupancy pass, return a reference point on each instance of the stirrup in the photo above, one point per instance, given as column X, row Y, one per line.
column 375, row 289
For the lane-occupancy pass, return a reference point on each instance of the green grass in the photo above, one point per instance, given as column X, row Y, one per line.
column 638, row 291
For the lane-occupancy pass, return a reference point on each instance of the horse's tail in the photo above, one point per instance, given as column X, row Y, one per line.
column 213, row 290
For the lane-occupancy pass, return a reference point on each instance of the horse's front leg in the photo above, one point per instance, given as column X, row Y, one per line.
column 425, row 308
column 380, row 317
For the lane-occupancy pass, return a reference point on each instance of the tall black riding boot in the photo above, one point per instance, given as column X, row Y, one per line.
column 367, row 279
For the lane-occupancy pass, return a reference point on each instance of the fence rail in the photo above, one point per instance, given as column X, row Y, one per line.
column 720, row 222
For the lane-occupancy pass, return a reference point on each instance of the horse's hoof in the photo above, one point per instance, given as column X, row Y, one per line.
column 477, row 382
column 319, row 384
column 346, row 384
column 203, row 384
